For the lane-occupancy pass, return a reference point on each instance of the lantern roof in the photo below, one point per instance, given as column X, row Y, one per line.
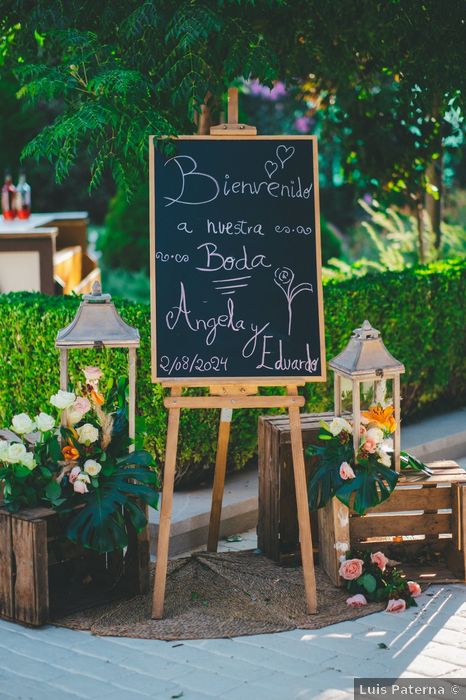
column 97, row 324
column 366, row 356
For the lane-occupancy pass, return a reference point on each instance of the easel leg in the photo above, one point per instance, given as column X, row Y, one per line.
column 219, row 478
column 304, row 521
column 165, row 514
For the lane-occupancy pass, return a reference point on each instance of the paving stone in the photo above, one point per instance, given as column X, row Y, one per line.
column 297, row 648
column 451, row 654
column 83, row 686
column 127, row 695
column 251, row 691
column 31, row 648
column 451, row 637
column 34, row 691
column 432, row 667
column 26, row 667
column 259, row 656
column 212, row 684
column 144, row 683
column 147, row 665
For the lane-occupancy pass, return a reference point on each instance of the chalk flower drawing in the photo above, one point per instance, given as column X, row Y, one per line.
column 284, row 279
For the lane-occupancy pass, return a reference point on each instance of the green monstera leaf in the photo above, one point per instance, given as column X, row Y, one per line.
column 372, row 485
column 326, row 480
column 101, row 524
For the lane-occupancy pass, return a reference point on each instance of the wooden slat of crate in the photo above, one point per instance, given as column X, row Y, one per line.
column 277, row 531
column 405, row 498
column 29, row 543
column 6, row 580
column 396, row 525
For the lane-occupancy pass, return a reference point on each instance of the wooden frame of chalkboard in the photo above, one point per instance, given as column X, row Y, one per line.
column 257, row 380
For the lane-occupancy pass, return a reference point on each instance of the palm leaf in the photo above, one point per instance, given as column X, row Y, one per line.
column 100, row 525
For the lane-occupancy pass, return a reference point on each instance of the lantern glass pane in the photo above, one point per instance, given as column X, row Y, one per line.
column 377, row 392
column 346, row 395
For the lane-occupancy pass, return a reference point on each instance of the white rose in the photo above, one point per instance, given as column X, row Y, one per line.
column 84, row 477
column 44, row 422
column 375, row 434
column 384, row 458
column 92, row 467
column 73, row 416
column 63, row 399
column 16, row 453
column 29, row 461
column 22, row 424
column 338, row 424
column 3, row 450
column 87, row 434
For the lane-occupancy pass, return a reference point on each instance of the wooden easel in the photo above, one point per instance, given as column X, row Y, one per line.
column 228, row 397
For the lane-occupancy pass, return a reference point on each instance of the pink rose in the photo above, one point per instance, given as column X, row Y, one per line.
column 81, row 405
column 414, row 588
column 380, row 559
column 362, row 430
column 92, row 374
column 351, row 569
column 73, row 475
column 396, row 606
column 346, row 471
column 356, row 601
column 80, row 487
column 370, row 445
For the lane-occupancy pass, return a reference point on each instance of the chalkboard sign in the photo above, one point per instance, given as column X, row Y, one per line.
column 235, row 261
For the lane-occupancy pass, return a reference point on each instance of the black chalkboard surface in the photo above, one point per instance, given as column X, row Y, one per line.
column 235, row 261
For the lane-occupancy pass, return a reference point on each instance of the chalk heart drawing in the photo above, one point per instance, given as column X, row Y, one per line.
column 270, row 167
column 284, row 153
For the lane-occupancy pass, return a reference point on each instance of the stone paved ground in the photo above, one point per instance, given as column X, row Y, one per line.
column 53, row 663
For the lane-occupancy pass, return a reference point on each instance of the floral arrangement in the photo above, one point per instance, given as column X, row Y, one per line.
column 370, row 577
column 362, row 480
column 78, row 462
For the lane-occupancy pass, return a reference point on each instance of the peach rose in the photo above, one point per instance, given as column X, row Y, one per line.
column 92, row 374
column 362, row 430
column 81, row 405
column 414, row 588
column 396, row 606
column 370, row 445
column 346, row 471
column 73, row 475
column 380, row 559
column 356, row 601
column 351, row 569
column 80, row 487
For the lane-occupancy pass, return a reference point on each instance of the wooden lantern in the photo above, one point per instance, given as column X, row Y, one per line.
column 98, row 325
column 365, row 363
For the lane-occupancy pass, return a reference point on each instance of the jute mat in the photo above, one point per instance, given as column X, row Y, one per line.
column 222, row 595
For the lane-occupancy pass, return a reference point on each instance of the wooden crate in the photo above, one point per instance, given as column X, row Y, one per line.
column 44, row 576
column 277, row 530
column 422, row 513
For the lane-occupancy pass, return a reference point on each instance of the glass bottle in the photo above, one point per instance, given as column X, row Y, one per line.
column 8, row 198
column 23, row 197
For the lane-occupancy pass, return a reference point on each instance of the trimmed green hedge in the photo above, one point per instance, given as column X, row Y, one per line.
column 421, row 313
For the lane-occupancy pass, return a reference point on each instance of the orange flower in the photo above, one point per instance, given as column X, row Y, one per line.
column 70, row 453
column 382, row 417
column 97, row 398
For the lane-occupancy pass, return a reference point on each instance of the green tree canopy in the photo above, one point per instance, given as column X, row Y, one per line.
column 122, row 71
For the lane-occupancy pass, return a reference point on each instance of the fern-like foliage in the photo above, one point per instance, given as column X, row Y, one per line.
column 120, row 72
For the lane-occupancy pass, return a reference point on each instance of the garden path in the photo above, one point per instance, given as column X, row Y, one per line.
column 54, row 663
